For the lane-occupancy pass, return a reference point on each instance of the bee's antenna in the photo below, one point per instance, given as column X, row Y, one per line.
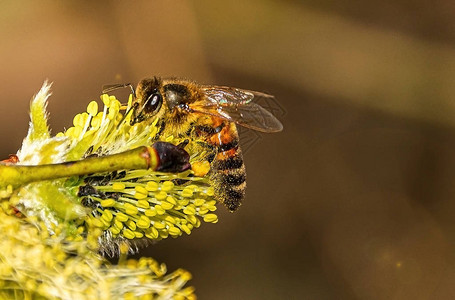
column 112, row 87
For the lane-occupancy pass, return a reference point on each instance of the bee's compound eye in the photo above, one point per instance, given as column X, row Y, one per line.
column 153, row 103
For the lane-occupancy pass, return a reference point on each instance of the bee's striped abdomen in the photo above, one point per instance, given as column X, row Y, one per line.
column 228, row 170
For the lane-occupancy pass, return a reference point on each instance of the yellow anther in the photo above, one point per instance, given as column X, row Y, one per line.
column 138, row 234
column 108, row 203
column 152, row 233
column 158, row 225
column 143, row 204
column 106, row 100
column 159, row 210
column 210, row 191
column 96, row 122
column 167, row 186
column 187, row 192
column 187, row 277
column 150, row 212
column 189, row 210
column 114, row 230
column 69, row 132
column 199, row 202
column 203, row 211
column 118, row 186
column 92, row 108
column 194, row 187
column 121, row 217
column 78, row 120
column 171, row 200
column 183, row 202
column 131, row 224
column 118, row 224
column 174, row 231
column 143, row 222
column 97, row 223
column 130, row 209
column 151, row 186
column 166, row 205
column 112, row 113
column 141, row 189
column 192, row 219
column 107, row 215
column 128, row 234
column 210, row 218
column 170, row 219
column 185, row 228
column 161, row 195
column 139, row 195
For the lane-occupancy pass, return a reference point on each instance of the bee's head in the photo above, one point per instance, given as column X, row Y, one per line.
column 148, row 100
column 150, row 96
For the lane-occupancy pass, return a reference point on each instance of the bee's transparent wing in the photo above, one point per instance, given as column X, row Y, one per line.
column 224, row 95
column 236, row 105
column 252, row 116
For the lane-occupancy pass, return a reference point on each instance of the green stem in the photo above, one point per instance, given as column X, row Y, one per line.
column 138, row 158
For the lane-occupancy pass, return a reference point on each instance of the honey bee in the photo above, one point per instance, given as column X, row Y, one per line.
column 209, row 113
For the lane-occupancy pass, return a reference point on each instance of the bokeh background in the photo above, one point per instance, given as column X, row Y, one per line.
column 355, row 199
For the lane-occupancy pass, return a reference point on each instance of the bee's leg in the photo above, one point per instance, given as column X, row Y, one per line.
column 183, row 144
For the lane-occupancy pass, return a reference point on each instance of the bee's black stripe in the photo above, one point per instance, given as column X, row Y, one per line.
column 211, row 157
column 233, row 179
column 233, row 194
column 231, row 145
column 209, row 129
column 233, row 162
column 233, row 199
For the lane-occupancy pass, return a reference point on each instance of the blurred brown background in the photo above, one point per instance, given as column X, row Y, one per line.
column 355, row 199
